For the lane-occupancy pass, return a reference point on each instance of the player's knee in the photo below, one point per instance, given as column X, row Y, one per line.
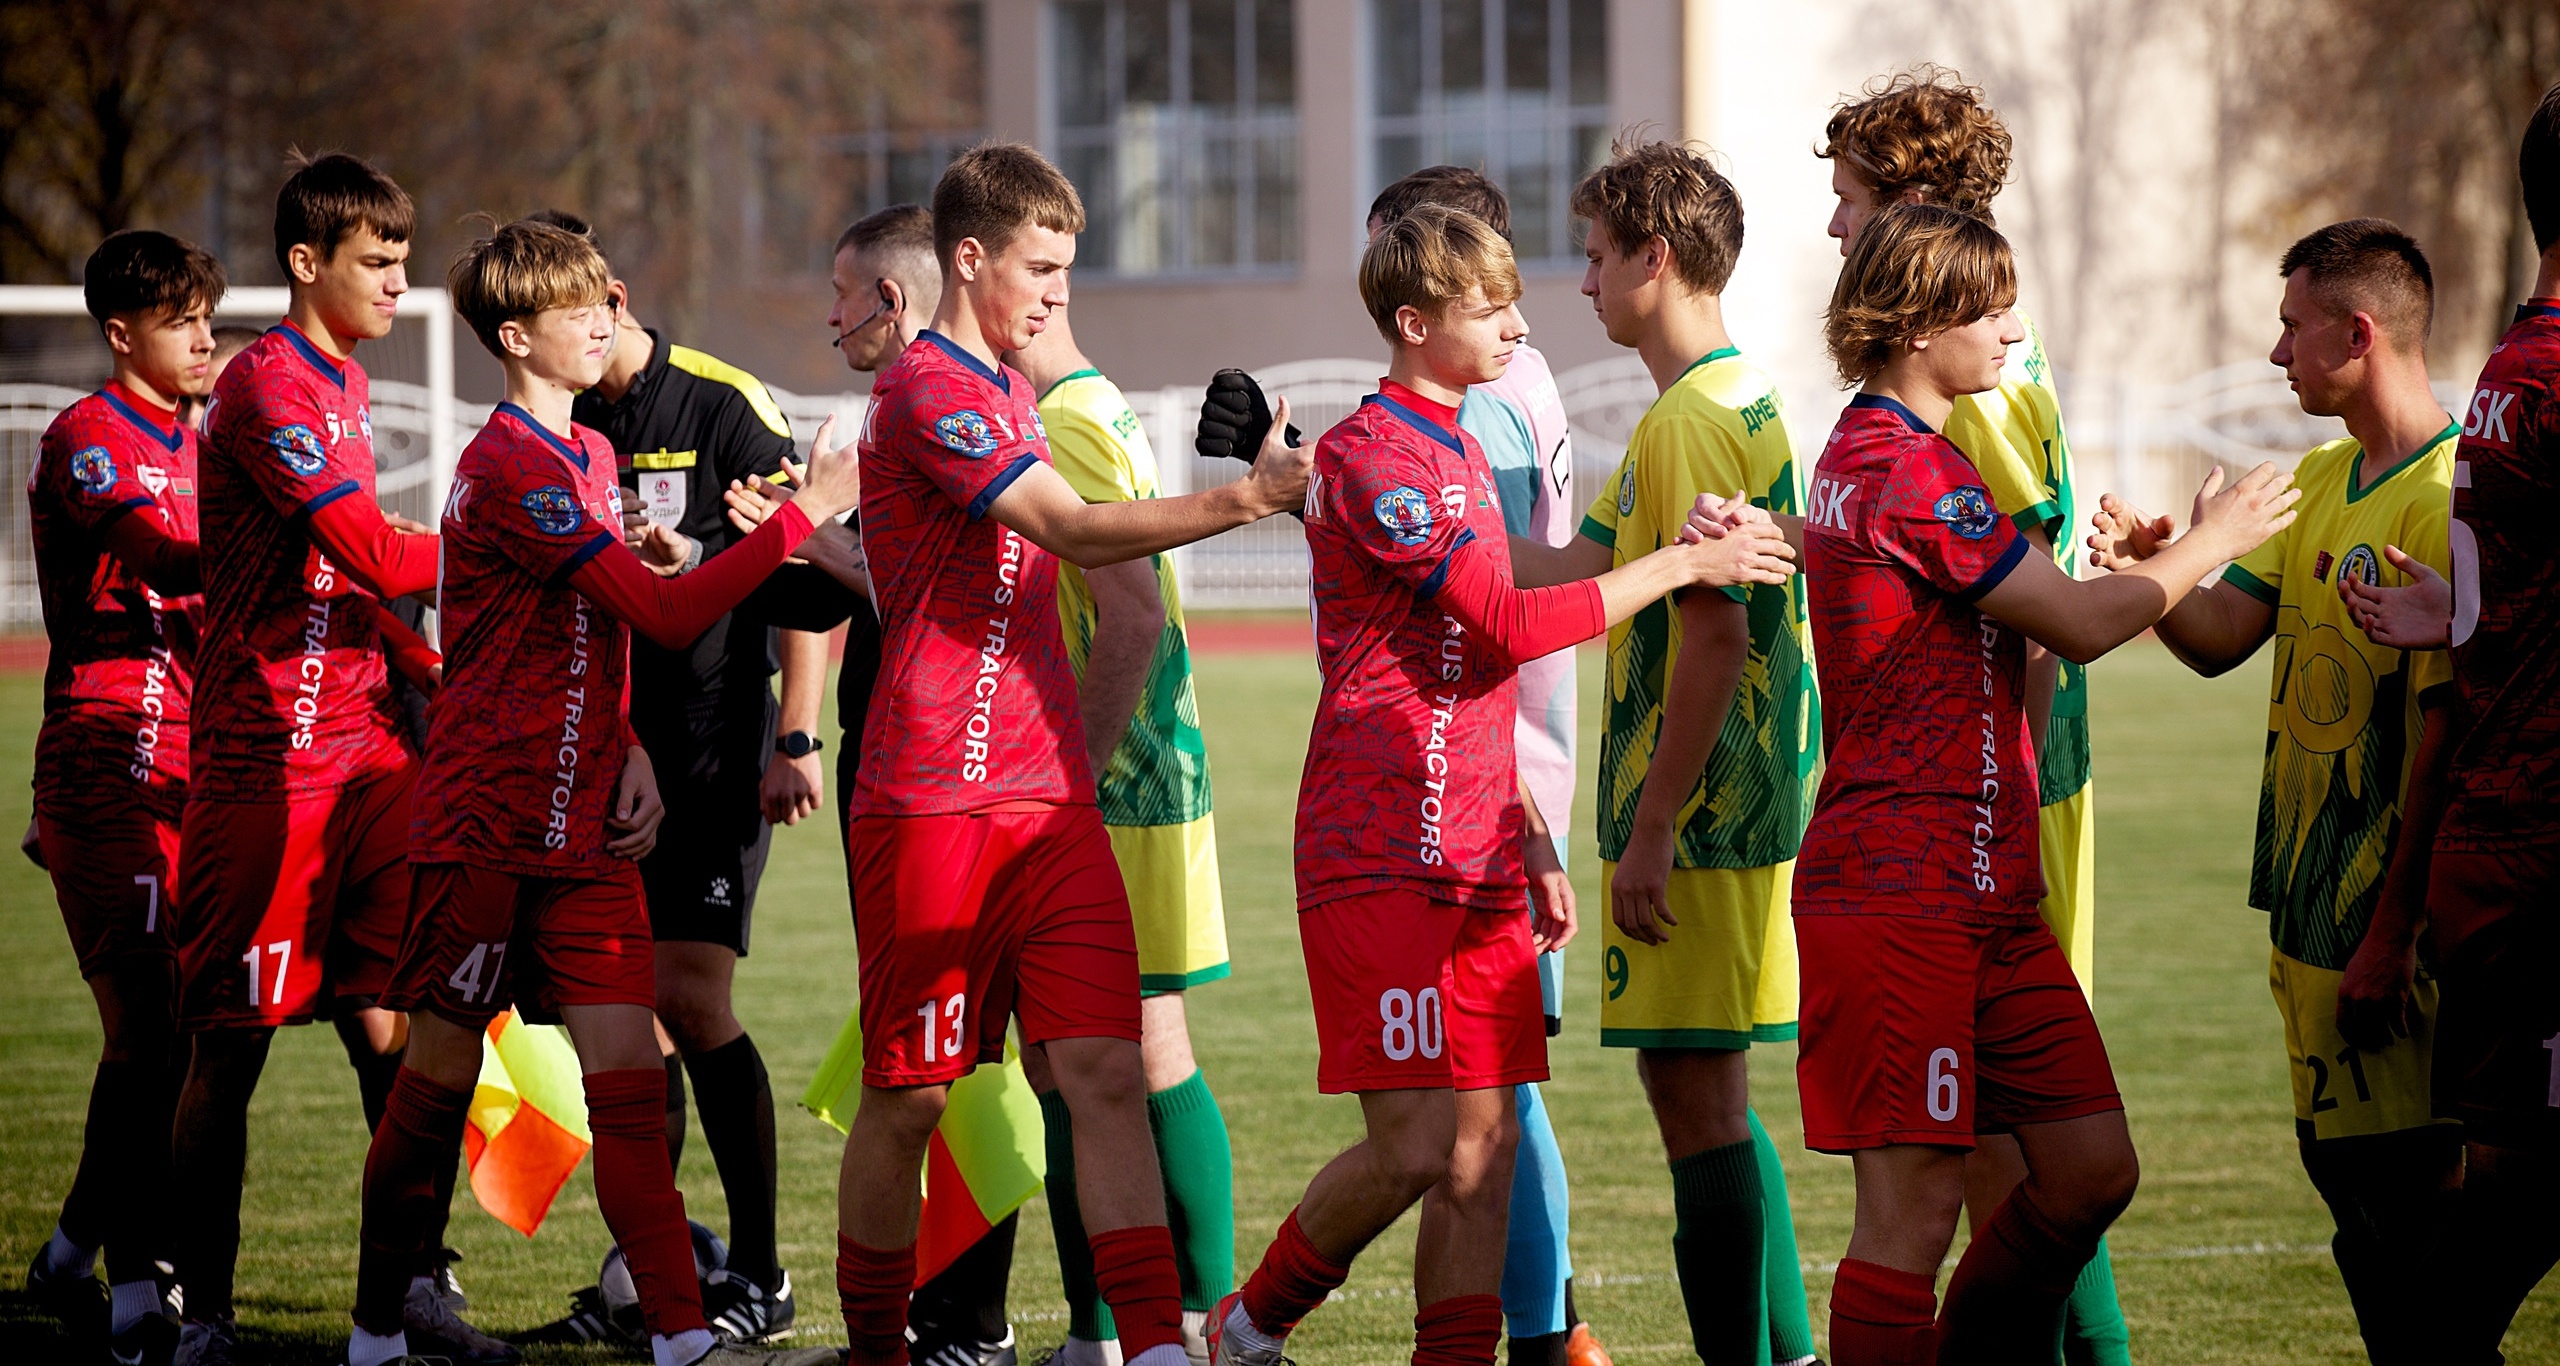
column 2098, row 1190
column 1103, row 1072
column 1413, row 1168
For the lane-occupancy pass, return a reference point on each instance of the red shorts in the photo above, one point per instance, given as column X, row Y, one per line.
column 1931, row 1031
column 2495, row 922
column 1411, row 992
column 481, row 940
column 965, row 921
column 294, row 909
column 113, row 857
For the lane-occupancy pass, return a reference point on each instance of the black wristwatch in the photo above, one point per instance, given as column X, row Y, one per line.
column 798, row 744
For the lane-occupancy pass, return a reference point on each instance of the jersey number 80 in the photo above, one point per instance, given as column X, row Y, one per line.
column 1410, row 1022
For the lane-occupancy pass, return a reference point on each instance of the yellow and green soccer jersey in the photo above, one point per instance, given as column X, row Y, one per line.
column 2013, row 436
column 2342, row 712
column 1160, row 773
column 1717, row 429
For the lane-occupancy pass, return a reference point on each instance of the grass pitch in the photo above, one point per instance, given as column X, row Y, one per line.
column 2223, row 1257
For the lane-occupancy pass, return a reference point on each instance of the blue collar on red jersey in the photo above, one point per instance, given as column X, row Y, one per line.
column 961, row 354
column 1418, row 422
column 335, row 370
column 1893, row 406
column 568, row 450
column 171, row 437
column 2533, row 310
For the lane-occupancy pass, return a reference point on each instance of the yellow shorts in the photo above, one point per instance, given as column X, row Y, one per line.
column 2068, row 837
column 2340, row 1091
column 1174, row 902
column 1727, row 978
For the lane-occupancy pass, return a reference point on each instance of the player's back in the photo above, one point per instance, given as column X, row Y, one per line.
column 1410, row 779
column 526, row 738
column 2506, row 628
column 117, row 675
column 1928, row 800
column 294, row 696
column 976, row 705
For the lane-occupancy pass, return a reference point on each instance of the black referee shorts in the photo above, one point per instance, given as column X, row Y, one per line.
column 701, row 879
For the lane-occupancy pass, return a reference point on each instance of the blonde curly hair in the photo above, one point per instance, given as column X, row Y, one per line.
column 1915, row 270
column 1925, row 131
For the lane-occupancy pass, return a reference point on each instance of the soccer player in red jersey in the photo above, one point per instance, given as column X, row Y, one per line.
column 1936, row 1003
column 984, row 885
column 538, row 798
column 1414, row 878
column 112, row 508
column 294, row 853
column 2479, row 860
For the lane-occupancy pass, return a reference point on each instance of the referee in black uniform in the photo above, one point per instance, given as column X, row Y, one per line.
column 729, row 760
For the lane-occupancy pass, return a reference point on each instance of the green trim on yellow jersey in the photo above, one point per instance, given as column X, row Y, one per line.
column 1717, row 428
column 1159, row 774
column 2356, row 490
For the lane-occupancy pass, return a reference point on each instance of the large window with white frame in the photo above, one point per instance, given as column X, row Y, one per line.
column 1516, row 88
column 1178, row 122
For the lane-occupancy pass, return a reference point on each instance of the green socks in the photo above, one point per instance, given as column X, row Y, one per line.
column 1199, row 1197
column 1782, row 1264
column 2093, row 1328
column 1717, row 1246
column 1199, row 1188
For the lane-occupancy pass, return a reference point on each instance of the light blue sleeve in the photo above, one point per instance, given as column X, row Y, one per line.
column 1511, row 447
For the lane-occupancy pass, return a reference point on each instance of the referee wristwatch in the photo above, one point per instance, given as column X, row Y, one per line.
column 798, row 744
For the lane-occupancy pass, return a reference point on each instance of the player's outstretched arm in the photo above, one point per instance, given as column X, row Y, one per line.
column 1715, row 643
column 390, row 555
column 2416, row 617
column 1536, row 564
column 2083, row 619
column 1046, row 510
column 172, row 567
column 1522, row 624
column 2215, row 627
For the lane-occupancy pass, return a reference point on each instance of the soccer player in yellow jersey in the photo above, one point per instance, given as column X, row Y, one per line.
column 1125, row 638
column 1706, row 751
column 1924, row 136
column 2344, row 719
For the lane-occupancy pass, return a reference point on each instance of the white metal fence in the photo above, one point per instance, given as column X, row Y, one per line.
column 2150, row 442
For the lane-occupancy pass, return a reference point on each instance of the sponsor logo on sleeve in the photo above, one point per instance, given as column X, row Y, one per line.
column 968, row 433
column 1406, row 514
column 555, row 510
column 299, row 448
column 1967, row 512
column 94, row 468
column 154, row 479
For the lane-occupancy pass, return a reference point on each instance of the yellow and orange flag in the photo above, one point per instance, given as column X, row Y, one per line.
column 988, row 1156
column 527, row 1127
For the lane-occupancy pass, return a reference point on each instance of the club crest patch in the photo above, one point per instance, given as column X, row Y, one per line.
column 94, row 468
column 2362, row 564
column 555, row 510
column 967, row 432
column 1627, row 493
column 1967, row 511
column 1405, row 513
column 299, row 448
column 364, row 422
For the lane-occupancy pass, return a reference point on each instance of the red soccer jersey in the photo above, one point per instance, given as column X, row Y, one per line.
column 525, row 741
column 1410, row 781
column 116, row 681
column 976, row 705
column 2505, row 775
column 296, row 698
column 1928, row 802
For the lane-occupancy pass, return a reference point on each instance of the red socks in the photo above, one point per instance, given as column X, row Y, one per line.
column 636, row 1189
column 1133, row 1268
column 420, row 1135
column 1460, row 1331
column 2008, row 1290
column 1293, row 1279
column 873, row 1285
column 1884, row 1317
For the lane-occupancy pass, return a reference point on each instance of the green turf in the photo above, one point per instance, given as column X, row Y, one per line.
column 2222, row 1258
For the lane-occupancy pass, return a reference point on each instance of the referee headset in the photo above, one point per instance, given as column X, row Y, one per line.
column 888, row 304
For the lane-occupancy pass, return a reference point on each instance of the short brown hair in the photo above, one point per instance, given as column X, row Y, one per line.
column 1916, row 270
column 996, row 189
column 1927, row 131
column 2538, row 166
column 2369, row 265
column 1652, row 189
column 138, row 270
column 520, row 270
column 231, row 341
column 1428, row 259
column 329, row 197
column 1459, row 187
column 570, row 223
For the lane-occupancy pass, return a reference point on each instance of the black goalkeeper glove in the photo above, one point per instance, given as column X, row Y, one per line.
column 1235, row 418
